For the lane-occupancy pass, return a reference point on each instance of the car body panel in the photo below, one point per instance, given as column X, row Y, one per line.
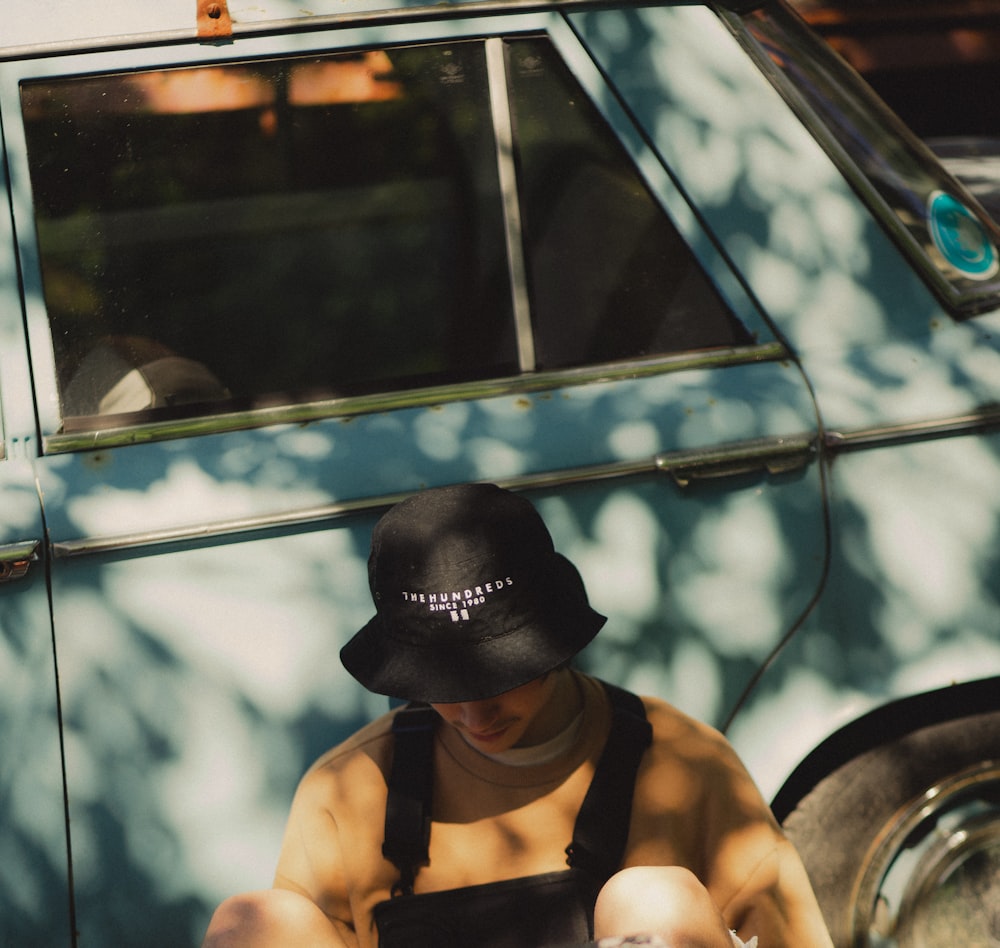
column 234, row 641
column 908, row 616
column 36, row 870
column 32, row 795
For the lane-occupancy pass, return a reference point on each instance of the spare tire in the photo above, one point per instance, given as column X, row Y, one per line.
column 902, row 842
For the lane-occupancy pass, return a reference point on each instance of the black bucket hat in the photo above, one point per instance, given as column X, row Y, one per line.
column 471, row 599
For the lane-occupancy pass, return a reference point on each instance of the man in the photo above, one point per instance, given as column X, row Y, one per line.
column 514, row 794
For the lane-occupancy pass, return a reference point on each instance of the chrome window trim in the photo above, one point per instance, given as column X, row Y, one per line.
column 351, row 407
column 880, row 436
column 496, row 72
column 772, row 455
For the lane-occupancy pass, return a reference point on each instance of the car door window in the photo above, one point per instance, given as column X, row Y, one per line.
column 611, row 277
column 288, row 231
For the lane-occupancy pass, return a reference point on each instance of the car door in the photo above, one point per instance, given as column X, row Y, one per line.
column 34, row 888
column 269, row 289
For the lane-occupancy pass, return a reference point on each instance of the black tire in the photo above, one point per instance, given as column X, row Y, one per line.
column 903, row 829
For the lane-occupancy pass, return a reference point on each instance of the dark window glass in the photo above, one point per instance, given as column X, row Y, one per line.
column 275, row 231
column 271, row 232
column 610, row 276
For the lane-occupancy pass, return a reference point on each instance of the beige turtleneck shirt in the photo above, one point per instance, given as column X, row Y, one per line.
column 695, row 806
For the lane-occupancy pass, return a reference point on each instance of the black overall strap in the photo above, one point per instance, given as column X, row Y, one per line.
column 411, row 781
column 601, row 831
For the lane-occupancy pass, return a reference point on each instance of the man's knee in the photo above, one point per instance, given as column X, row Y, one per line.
column 270, row 917
column 668, row 901
column 657, row 889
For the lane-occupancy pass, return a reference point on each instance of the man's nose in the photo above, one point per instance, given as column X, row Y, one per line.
column 478, row 715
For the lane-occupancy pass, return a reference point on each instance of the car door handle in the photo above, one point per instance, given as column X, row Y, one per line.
column 16, row 558
column 777, row 455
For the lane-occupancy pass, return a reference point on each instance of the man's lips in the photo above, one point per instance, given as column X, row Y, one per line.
column 488, row 737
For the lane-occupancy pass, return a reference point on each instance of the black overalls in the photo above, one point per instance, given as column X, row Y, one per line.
column 555, row 908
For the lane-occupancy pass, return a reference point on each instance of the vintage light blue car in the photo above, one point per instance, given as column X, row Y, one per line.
column 669, row 268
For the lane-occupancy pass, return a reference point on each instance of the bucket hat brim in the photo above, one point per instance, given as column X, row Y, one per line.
column 471, row 598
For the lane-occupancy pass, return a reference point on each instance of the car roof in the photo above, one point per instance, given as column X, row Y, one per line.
column 48, row 26
column 51, row 25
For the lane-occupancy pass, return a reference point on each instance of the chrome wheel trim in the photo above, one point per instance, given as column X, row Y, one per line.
column 931, row 878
